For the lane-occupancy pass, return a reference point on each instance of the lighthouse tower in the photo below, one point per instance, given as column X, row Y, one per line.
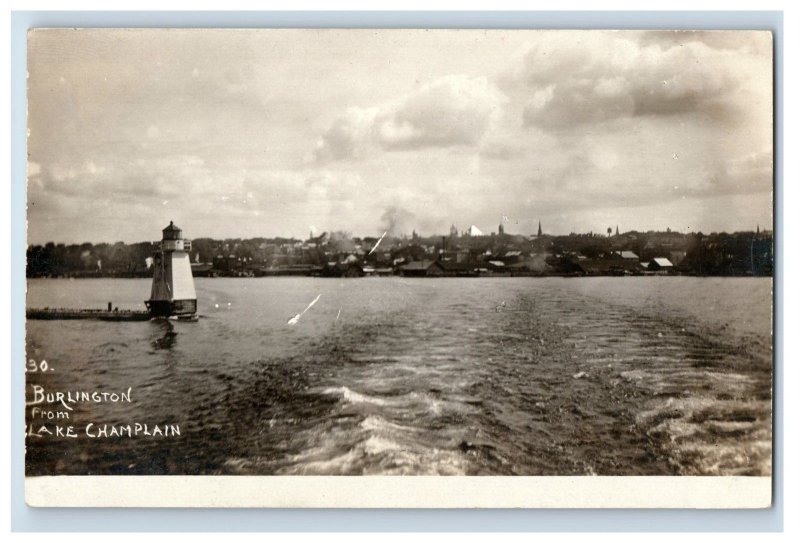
column 173, row 287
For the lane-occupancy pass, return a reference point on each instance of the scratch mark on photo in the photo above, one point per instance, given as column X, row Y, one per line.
column 296, row 318
column 378, row 242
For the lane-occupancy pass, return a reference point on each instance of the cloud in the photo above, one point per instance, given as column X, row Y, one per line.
column 328, row 186
column 747, row 42
column 579, row 102
column 127, row 178
column 500, row 150
column 450, row 111
column 348, row 136
column 566, row 79
column 749, row 174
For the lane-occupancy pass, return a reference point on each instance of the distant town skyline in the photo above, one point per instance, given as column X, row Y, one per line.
column 422, row 235
column 264, row 133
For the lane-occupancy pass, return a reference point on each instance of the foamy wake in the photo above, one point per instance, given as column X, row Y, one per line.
column 420, row 403
column 707, row 436
column 352, row 396
column 374, row 423
column 375, row 446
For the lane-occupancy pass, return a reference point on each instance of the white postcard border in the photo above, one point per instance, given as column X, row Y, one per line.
column 689, row 492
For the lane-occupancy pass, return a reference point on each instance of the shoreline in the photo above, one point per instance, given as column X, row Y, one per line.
column 459, row 276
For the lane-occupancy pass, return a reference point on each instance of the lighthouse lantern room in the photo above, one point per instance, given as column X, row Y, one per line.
column 173, row 292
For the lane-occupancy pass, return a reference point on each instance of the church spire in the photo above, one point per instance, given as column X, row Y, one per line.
column 539, row 232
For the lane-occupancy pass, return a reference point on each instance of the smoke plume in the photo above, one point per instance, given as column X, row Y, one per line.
column 397, row 221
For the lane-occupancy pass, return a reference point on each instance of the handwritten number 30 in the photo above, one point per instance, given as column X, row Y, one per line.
column 33, row 365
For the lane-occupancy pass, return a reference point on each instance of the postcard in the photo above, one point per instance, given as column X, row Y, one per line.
column 399, row 268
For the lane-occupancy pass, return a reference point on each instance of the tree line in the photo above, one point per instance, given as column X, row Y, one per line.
column 740, row 253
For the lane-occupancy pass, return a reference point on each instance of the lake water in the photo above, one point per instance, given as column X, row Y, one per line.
column 533, row 376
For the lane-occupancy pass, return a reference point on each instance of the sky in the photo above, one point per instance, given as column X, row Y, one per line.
column 263, row 133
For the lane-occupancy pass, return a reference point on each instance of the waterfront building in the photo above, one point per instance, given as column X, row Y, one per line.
column 626, row 255
column 421, row 268
column 660, row 264
column 455, row 269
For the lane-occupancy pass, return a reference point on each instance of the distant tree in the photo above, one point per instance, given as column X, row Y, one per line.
column 342, row 242
column 592, row 250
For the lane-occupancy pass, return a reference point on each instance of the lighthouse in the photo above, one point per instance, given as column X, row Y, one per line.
column 172, row 293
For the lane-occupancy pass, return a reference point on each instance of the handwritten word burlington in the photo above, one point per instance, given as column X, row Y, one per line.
column 72, row 397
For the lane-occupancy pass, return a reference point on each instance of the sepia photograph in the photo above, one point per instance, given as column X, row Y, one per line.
column 487, row 255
